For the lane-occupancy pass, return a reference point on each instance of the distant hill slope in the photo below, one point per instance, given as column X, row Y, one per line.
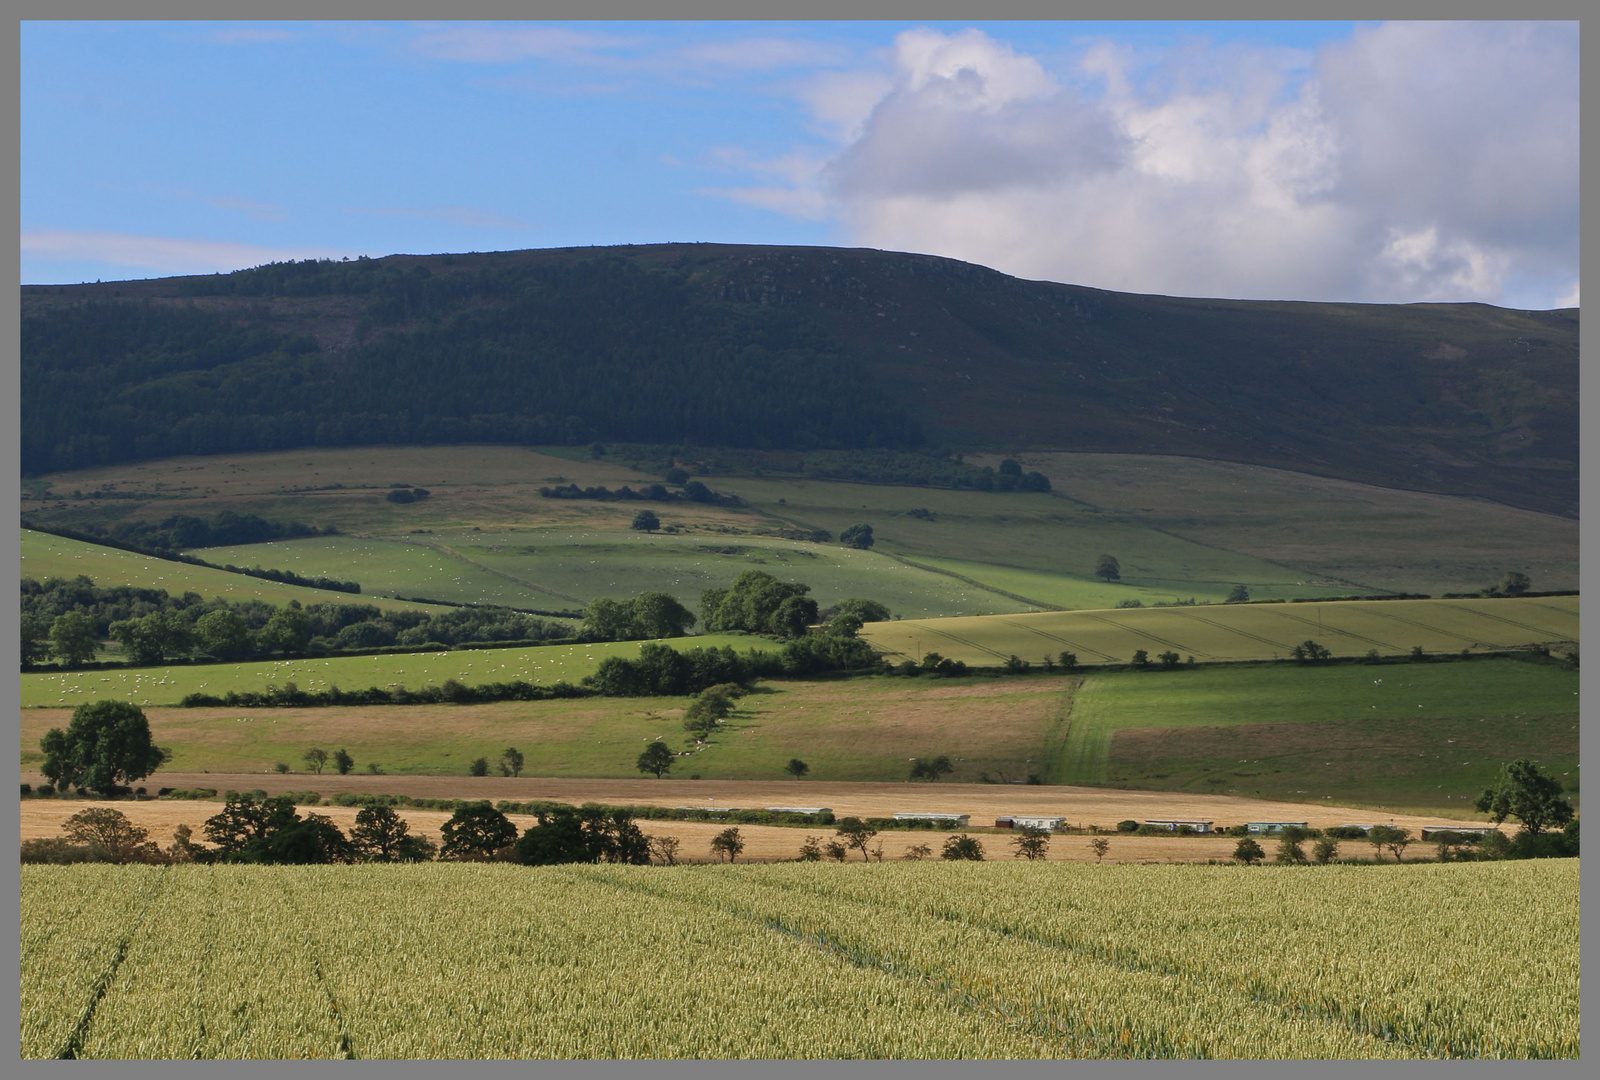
column 794, row 347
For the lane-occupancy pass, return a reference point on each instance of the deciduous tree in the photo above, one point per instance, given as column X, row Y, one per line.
column 657, row 758
column 1523, row 792
column 727, row 843
column 476, row 832
column 105, row 747
column 1031, row 843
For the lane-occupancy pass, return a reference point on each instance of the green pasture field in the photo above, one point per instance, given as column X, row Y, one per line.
column 1039, row 533
column 851, row 730
column 545, row 567
column 47, row 556
column 931, row 960
column 1415, row 737
column 1400, row 541
column 1237, row 631
column 543, row 665
column 1040, row 547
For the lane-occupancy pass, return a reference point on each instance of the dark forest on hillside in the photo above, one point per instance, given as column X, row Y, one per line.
column 793, row 349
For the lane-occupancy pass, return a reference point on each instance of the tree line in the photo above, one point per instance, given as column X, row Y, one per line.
column 67, row 619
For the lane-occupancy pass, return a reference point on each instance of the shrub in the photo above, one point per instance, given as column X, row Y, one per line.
column 58, row 851
column 479, row 767
column 962, row 847
column 1128, row 825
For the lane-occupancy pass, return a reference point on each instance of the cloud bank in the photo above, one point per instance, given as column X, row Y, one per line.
column 1410, row 162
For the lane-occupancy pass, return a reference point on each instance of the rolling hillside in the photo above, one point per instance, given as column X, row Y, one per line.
column 793, row 347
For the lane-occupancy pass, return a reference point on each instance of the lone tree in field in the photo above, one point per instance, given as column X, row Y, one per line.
column 857, row 536
column 1099, row 845
column 1031, row 843
column 511, row 761
column 343, row 761
column 111, row 831
column 1248, row 851
column 657, row 758
column 855, row 833
column 1238, row 595
column 727, row 843
column 476, row 832
column 1107, row 567
column 646, row 521
column 963, row 847
column 931, row 769
column 106, row 746
column 1523, row 792
column 316, row 758
column 796, row 768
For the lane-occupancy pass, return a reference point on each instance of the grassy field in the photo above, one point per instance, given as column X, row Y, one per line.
column 46, row 556
column 543, row 665
column 1237, row 631
column 1180, row 528
column 1422, row 738
column 1404, row 541
column 856, row 731
column 1413, row 736
column 545, row 567
column 1055, row 541
column 925, row 961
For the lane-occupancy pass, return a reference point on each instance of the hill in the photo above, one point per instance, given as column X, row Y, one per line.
column 718, row 345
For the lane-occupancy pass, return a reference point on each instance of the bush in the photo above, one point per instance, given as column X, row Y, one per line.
column 1128, row 825
column 962, row 847
column 57, row 851
column 479, row 767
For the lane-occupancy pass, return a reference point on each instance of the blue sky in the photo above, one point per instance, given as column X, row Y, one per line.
column 1336, row 161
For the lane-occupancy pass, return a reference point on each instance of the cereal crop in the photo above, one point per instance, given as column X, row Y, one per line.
column 928, row 960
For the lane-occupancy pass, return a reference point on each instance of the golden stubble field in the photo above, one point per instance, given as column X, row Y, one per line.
column 985, row 802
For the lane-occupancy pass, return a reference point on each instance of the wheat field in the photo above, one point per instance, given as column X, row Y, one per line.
column 922, row 960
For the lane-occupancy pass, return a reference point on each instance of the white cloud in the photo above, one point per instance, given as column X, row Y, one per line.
column 1413, row 161
column 764, row 54
column 163, row 254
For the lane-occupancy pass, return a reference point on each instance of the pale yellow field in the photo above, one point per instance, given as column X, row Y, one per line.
column 1236, row 631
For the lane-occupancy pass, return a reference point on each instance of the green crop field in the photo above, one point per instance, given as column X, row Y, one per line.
column 545, row 567
column 543, row 665
column 853, row 730
column 46, row 556
column 937, row 961
column 1417, row 737
column 1238, row 631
